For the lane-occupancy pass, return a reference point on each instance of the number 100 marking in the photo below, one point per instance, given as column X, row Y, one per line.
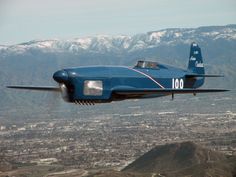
column 177, row 83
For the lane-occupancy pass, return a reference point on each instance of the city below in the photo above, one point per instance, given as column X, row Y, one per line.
column 109, row 141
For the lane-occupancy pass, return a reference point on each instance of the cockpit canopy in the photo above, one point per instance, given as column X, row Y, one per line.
column 147, row 64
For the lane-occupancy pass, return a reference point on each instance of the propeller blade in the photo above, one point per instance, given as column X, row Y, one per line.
column 38, row 88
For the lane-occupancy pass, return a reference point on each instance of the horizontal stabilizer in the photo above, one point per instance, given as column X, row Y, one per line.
column 39, row 88
column 203, row 75
column 165, row 91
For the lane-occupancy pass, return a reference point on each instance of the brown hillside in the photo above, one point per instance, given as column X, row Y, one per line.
column 182, row 159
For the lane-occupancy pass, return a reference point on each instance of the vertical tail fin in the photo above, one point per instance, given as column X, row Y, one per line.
column 195, row 64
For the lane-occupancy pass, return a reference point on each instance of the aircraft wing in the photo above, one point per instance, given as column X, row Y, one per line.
column 38, row 88
column 202, row 75
column 164, row 91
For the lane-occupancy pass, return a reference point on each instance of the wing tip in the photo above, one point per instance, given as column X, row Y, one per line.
column 204, row 75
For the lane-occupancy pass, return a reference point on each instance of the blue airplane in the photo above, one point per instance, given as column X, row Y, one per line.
column 147, row 79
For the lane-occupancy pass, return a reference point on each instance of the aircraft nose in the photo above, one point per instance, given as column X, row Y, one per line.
column 60, row 76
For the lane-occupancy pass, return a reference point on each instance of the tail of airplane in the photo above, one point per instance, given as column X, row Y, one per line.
column 195, row 64
column 195, row 76
column 196, row 73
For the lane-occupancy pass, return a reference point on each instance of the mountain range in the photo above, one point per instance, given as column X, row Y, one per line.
column 34, row 62
column 127, row 44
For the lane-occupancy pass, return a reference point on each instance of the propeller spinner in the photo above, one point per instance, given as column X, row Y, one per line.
column 61, row 76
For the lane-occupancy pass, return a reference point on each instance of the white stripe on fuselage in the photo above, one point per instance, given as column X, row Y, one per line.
column 140, row 72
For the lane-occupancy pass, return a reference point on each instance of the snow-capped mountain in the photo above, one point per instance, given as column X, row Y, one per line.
column 34, row 62
column 122, row 43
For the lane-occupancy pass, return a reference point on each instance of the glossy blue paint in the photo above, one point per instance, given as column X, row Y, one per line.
column 100, row 84
column 61, row 76
column 137, row 77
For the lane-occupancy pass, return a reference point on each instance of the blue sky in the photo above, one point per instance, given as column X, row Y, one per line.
column 24, row 20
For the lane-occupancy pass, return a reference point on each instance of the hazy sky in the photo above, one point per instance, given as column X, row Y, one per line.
column 24, row 20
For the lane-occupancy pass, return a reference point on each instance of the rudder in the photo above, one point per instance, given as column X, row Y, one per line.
column 195, row 64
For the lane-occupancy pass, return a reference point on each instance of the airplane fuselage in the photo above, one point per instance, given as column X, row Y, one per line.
column 109, row 78
column 147, row 79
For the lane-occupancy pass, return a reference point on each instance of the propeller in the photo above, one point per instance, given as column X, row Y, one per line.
column 65, row 86
column 64, row 92
column 61, row 77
